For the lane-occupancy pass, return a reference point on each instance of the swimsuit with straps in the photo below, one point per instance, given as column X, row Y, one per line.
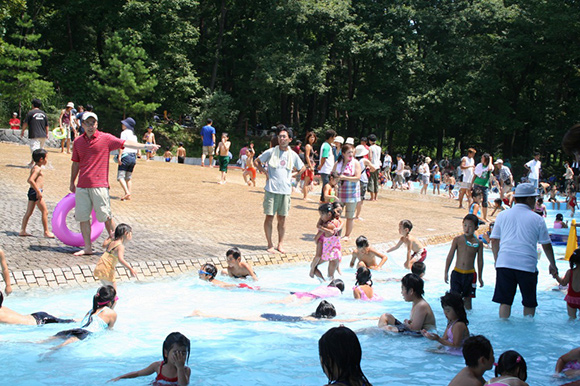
column 105, row 269
column 161, row 377
column 572, row 297
column 500, row 383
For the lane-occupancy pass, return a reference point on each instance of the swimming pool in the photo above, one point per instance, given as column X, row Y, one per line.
column 228, row 352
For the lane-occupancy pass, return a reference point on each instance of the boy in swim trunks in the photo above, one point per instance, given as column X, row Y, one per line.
column 36, row 181
column 415, row 249
column 250, row 168
column 366, row 255
column 479, row 358
column 149, row 138
column 222, row 152
column 236, row 267
column 422, row 317
column 180, row 153
column 8, row 316
column 468, row 247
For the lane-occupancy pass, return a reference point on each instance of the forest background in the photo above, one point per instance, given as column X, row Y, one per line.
column 427, row 77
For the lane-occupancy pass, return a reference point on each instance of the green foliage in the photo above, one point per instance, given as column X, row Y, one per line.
column 218, row 106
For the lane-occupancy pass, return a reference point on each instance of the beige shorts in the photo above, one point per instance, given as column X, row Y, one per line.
column 207, row 150
column 465, row 185
column 349, row 209
column 36, row 143
column 276, row 204
column 87, row 199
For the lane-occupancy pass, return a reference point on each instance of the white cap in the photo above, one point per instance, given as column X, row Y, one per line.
column 90, row 114
column 499, row 161
column 360, row 151
column 428, row 159
column 70, row 104
column 339, row 139
column 350, row 141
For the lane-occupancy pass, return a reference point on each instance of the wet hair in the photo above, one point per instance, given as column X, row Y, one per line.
column 575, row 259
column 209, row 120
column 280, row 128
column 511, row 362
column 36, row 103
column 418, row 268
column 235, row 252
column 180, row 143
column 372, row 138
column 175, row 338
column 329, row 134
column 414, row 282
column 211, row 269
column 1, row 299
column 559, row 217
column 455, row 301
column 407, row 224
column 104, row 296
column 362, row 242
column 122, row 230
column 338, row 284
column 474, row 348
column 325, row 208
column 38, row 154
column 571, row 140
column 308, row 136
column 473, row 218
column 325, row 310
column 339, row 348
column 363, row 276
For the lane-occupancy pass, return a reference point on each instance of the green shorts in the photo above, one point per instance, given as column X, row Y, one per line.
column 223, row 160
column 275, row 203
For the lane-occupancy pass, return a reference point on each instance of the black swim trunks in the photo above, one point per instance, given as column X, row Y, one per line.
column 464, row 283
column 45, row 318
column 32, row 195
column 180, row 160
column 79, row 333
column 403, row 329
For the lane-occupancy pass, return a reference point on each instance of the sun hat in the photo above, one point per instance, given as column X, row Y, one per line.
column 129, row 123
column 349, row 141
column 499, row 161
column 427, row 159
column 15, row 113
column 90, row 114
column 360, row 151
column 70, row 104
column 339, row 139
column 526, row 190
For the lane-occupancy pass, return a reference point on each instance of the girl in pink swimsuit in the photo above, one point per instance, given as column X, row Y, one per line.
column 363, row 288
column 572, row 279
column 172, row 369
column 328, row 247
column 510, row 370
column 456, row 331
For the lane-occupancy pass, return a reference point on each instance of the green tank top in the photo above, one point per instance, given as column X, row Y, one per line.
column 484, row 179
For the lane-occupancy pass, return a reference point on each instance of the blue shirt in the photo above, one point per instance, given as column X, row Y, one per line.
column 206, row 134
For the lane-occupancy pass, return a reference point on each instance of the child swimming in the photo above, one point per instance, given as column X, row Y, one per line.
column 328, row 247
column 208, row 273
column 572, row 279
column 468, row 248
column 363, row 288
column 415, row 249
column 172, row 369
column 8, row 316
column 340, row 356
column 456, row 331
column 334, row 288
column 559, row 222
column 236, row 267
column 367, row 255
column 115, row 252
column 511, row 370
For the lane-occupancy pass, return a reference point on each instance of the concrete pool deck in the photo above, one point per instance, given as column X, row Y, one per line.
column 182, row 218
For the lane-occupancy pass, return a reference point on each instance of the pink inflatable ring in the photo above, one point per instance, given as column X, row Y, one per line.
column 60, row 229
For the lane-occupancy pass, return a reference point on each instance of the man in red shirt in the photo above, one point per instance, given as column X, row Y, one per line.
column 91, row 165
column 14, row 122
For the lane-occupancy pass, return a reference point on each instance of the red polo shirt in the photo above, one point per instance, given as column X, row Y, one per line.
column 93, row 158
column 14, row 124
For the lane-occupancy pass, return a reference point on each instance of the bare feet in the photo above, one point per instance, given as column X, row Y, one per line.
column 281, row 250
column 84, row 252
column 271, row 250
column 126, row 197
column 48, row 235
column 345, row 238
column 24, row 234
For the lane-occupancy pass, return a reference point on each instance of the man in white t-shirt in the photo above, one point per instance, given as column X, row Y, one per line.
column 467, row 167
column 399, row 178
column 387, row 163
column 326, row 162
column 514, row 240
column 281, row 161
column 127, row 158
column 375, row 158
column 534, row 167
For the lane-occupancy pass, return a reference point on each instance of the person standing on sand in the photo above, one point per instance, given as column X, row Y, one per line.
column 281, row 161
column 127, row 157
column 14, row 122
column 180, row 153
column 467, row 167
column 326, row 162
column 208, row 138
column 37, row 123
column 91, row 165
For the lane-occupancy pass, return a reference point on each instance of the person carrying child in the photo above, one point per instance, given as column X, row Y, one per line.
column 328, row 247
column 222, row 151
column 415, row 249
column 114, row 253
column 572, row 279
column 468, row 248
column 422, row 317
column 36, row 181
column 237, row 268
column 250, row 168
column 511, row 370
column 366, row 255
column 456, row 332
column 172, row 368
column 479, row 358
column 363, row 288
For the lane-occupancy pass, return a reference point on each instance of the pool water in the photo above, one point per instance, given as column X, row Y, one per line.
column 227, row 352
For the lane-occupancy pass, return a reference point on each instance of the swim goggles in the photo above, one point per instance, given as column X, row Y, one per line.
column 202, row 272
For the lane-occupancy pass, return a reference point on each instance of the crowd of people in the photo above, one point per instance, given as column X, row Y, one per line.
column 346, row 173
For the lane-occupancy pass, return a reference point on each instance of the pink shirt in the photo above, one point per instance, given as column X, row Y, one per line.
column 93, row 158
